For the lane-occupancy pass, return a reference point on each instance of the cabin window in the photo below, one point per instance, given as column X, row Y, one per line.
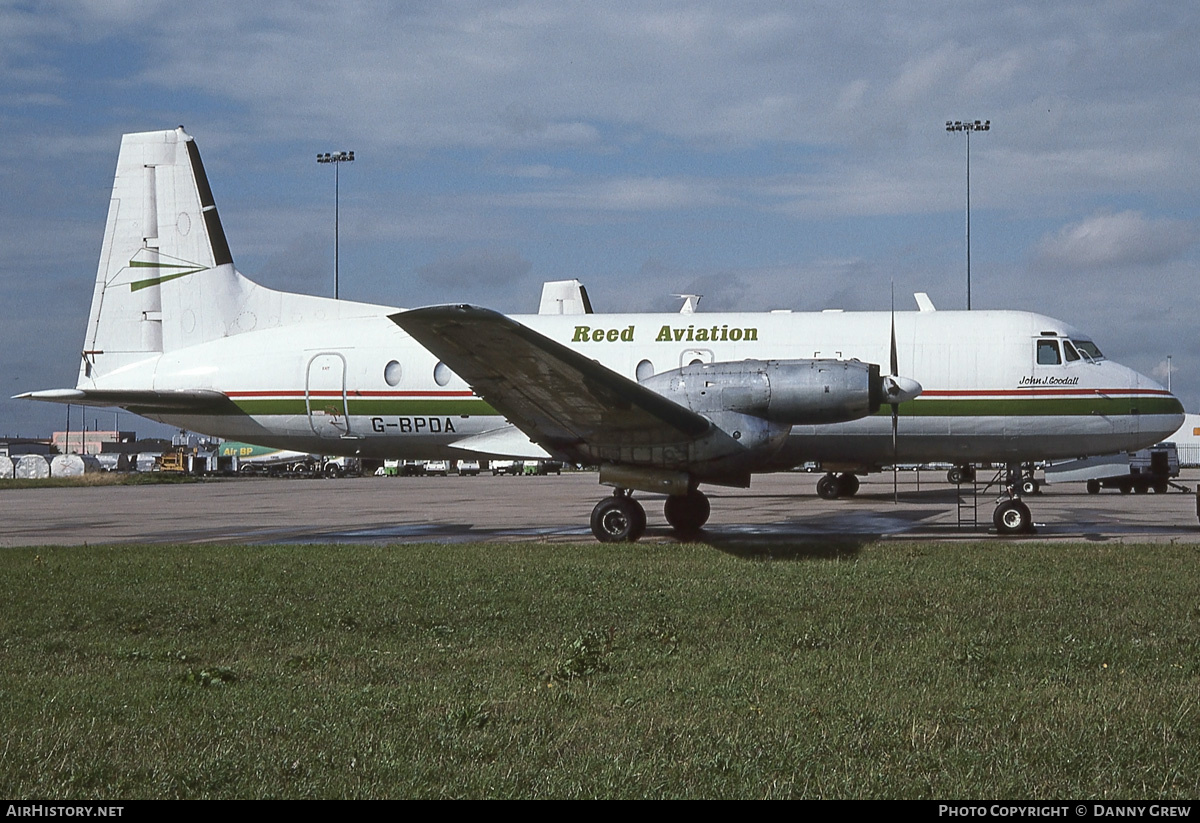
column 442, row 374
column 392, row 373
column 1047, row 353
column 645, row 370
column 1069, row 351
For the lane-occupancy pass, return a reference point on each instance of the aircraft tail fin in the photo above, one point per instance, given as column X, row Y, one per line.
column 166, row 278
column 164, row 256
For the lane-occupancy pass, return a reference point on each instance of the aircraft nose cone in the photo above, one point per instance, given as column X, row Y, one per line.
column 900, row 389
column 1161, row 412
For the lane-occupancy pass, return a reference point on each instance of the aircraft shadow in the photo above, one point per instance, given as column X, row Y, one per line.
column 826, row 535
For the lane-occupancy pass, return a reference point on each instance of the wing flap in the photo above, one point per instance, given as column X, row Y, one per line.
column 566, row 402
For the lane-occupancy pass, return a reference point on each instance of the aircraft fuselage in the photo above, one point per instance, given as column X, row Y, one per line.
column 362, row 386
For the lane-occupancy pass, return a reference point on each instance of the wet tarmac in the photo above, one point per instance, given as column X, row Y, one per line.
column 778, row 510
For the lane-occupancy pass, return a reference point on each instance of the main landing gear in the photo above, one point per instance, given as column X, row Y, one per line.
column 832, row 486
column 621, row 519
column 961, row 474
column 1012, row 515
column 618, row 519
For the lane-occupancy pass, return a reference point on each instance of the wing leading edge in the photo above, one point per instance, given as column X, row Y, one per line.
column 568, row 403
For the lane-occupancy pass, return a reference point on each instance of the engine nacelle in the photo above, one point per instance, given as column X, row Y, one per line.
column 791, row 392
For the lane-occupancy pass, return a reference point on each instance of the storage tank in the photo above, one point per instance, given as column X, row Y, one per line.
column 73, row 465
column 32, row 467
column 144, row 462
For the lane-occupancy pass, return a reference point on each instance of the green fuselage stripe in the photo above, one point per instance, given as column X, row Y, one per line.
column 1036, row 406
column 924, row 407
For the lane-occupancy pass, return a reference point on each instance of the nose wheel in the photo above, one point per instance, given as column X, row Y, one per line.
column 1012, row 516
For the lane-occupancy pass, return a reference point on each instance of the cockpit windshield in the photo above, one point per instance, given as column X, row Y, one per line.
column 1088, row 349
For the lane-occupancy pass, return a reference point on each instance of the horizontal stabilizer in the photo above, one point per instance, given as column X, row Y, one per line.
column 135, row 400
column 566, row 402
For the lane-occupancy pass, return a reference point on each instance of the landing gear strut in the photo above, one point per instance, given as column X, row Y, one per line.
column 618, row 519
column 1012, row 515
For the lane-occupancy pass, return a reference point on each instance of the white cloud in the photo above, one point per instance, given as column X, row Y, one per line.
column 630, row 194
column 1164, row 370
column 1104, row 241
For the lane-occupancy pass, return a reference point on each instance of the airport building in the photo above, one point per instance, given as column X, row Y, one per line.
column 89, row 442
column 15, row 446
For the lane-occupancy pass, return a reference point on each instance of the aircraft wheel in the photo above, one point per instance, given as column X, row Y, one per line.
column 847, row 485
column 618, row 519
column 1160, row 487
column 1030, row 486
column 1141, row 488
column 961, row 474
column 1012, row 517
column 1125, row 487
column 687, row 513
column 1093, row 487
column 827, row 487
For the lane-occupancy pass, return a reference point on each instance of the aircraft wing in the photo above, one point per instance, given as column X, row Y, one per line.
column 566, row 402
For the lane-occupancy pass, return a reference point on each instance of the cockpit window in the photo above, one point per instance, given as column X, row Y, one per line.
column 1088, row 349
column 1069, row 352
column 1047, row 353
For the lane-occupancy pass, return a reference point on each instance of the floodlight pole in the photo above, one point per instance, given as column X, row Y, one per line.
column 968, row 126
column 336, row 158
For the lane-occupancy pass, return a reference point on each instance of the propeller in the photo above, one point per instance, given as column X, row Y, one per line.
column 897, row 390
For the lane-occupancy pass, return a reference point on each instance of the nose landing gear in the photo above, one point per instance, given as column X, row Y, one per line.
column 1012, row 515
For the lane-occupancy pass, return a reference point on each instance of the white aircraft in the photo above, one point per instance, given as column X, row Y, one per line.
column 660, row 402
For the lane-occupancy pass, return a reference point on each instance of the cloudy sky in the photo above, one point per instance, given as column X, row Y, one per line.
column 763, row 154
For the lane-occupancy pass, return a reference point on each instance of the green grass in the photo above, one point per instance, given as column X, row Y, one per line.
column 988, row 670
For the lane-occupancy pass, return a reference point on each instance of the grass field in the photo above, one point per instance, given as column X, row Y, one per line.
column 987, row 670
